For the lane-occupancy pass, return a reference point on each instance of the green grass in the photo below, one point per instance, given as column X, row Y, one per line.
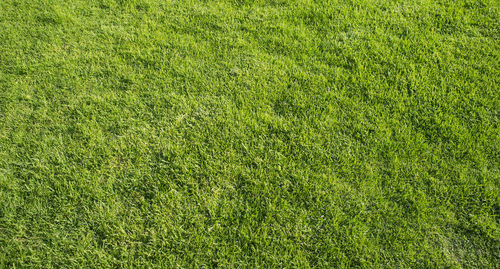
column 239, row 133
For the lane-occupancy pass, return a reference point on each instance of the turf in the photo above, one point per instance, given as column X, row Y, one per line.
column 273, row 134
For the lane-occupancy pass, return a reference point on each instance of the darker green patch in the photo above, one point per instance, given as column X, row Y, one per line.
column 49, row 19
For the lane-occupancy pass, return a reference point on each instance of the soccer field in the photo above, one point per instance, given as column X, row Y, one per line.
column 250, row 134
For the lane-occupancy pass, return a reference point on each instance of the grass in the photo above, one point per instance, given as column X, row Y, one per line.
column 239, row 133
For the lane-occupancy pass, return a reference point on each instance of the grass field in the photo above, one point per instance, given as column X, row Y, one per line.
column 247, row 134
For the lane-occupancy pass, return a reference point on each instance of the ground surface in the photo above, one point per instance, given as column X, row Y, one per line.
column 301, row 133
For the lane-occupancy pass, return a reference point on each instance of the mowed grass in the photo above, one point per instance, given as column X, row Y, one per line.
column 247, row 134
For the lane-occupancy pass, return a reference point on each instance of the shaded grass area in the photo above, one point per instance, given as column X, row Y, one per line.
column 301, row 133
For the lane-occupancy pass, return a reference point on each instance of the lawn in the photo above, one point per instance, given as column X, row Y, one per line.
column 250, row 134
